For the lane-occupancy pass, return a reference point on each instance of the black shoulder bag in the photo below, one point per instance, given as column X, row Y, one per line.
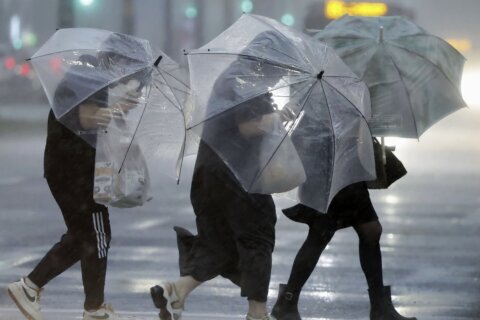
column 388, row 167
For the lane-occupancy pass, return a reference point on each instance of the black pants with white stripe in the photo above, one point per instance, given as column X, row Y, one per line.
column 87, row 239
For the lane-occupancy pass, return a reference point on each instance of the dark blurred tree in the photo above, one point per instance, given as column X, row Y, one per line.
column 315, row 19
column 128, row 23
column 66, row 14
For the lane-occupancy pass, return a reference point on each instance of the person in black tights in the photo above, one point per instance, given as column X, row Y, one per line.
column 351, row 207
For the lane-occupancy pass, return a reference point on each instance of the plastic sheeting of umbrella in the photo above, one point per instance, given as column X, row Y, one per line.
column 413, row 77
column 282, row 110
column 107, row 88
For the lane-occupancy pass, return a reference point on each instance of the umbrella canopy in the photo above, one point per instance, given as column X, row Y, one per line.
column 258, row 74
column 79, row 65
column 413, row 77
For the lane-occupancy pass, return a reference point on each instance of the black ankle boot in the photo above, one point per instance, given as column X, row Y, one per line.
column 286, row 306
column 381, row 306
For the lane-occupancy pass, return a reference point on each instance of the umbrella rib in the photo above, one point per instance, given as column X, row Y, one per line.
column 356, row 50
column 169, row 88
column 166, row 97
column 269, row 61
column 134, row 133
column 433, row 36
column 283, row 139
column 239, row 103
column 182, row 152
column 175, row 88
column 326, row 58
column 406, row 92
column 83, row 49
column 276, row 50
column 321, row 38
column 185, row 84
column 424, row 58
column 338, row 91
column 60, row 51
column 141, row 117
column 271, row 77
column 334, row 144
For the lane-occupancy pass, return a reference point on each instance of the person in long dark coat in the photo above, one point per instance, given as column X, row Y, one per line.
column 236, row 229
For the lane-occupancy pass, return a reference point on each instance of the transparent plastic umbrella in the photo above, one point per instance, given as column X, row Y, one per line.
column 81, row 67
column 413, row 77
column 259, row 73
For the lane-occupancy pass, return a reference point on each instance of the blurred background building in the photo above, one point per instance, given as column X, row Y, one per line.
column 177, row 25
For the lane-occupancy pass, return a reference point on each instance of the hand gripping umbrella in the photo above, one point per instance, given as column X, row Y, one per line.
column 262, row 92
column 413, row 77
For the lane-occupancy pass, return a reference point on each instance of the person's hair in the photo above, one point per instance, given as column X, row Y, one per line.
column 120, row 46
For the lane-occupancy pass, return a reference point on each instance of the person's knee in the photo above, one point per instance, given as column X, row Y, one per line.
column 68, row 237
column 370, row 233
column 254, row 255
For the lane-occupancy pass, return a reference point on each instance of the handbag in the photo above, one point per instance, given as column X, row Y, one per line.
column 387, row 166
column 121, row 177
column 284, row 170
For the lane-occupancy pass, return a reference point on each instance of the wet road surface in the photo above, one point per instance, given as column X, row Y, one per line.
column 430, row 241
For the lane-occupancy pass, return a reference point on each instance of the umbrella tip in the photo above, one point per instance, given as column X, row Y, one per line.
column 380, row 36
column 320, row 75
column 157, row 61
column 28, row 59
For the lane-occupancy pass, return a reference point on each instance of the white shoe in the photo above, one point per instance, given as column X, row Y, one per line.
column 103, row 313
column 164, row 300
column 26, row 299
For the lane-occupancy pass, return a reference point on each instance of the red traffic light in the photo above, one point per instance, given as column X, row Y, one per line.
column 10, row 63
column 25, row 69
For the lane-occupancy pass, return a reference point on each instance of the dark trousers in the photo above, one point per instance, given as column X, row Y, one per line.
column 87, row 239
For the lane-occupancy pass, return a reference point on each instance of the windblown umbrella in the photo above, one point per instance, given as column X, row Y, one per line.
column 320, row 104
column 82, row 64
column 413, row 77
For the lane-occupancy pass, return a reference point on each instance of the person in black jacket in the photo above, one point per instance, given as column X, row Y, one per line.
column 236, row 235
column 69, row 163
column 351, row 207
column 236, row 229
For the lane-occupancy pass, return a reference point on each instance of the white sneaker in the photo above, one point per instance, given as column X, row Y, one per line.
column 26, row 299
column 165, row 301
column 103, row 313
